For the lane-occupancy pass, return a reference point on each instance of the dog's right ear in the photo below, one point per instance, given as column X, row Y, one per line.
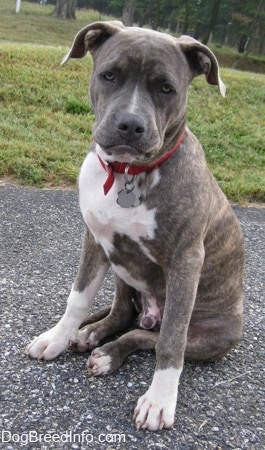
column 91, row 37
column 201, row 61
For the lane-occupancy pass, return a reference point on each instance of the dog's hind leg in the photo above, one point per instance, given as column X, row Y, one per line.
column 109, row 357
column 211, row 339
column 96, row 317
column 118, row 319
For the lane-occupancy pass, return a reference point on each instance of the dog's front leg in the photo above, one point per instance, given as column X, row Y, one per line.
column 92, row 270
column 156, row 409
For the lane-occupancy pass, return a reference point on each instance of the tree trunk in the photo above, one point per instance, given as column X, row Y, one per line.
column 18, row 2
column 65, row 9
column 261, row 46
column 212, row 22
column 128, row 13
column 248, row 47
column 58, row 11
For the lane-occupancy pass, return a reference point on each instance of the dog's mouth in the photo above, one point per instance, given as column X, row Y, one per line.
column 120, row 150
column 125, row 154
column 122, row 153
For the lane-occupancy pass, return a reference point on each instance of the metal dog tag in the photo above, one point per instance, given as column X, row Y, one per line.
column 127, row 199
column 129, row 196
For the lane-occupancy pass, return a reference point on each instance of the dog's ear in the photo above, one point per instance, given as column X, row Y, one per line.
column 202, row 61
column 91, row 37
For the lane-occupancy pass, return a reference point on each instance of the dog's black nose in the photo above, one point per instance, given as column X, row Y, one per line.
column 130, row 126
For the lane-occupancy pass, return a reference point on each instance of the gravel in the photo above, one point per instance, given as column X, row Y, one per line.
column 55, row 405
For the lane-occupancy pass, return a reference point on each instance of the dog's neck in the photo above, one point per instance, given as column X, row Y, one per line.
column 131, row 169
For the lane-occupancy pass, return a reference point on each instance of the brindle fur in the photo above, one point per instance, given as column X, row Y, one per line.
column 191, row 259
column 198, row 243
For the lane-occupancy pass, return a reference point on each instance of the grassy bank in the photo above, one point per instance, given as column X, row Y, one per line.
column 46, row 121
column 36, row 24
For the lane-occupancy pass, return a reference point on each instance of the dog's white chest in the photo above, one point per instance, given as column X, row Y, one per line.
column 103, row 216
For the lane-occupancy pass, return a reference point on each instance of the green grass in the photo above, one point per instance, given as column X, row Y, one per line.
column 232, row 131
column 44, row 130
column 46, row 120
column 35, row 24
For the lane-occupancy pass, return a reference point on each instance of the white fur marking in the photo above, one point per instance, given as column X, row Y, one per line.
column 156, row 409
column 54, row 341
column 125, row 276
column 98, row 363
column 156, row 177
column 104, row 216
column 146, row 252
column 133, row 106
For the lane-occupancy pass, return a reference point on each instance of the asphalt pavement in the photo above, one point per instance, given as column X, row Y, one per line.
column 55, row 405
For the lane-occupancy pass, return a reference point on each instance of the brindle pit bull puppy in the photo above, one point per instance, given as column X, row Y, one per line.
column 155, row 214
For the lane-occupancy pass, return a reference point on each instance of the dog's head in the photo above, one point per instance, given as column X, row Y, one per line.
column 139, row 87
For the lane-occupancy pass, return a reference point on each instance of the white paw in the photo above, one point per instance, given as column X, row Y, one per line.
column 98, row 363
column 86, row 340
column 153, row 415
column 50, row 344
column 156, row 408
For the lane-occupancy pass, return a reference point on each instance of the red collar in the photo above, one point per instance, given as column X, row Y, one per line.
column 133, row 170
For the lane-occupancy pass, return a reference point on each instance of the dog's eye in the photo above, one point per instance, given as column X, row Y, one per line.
column 166, row 88
column 108, row 76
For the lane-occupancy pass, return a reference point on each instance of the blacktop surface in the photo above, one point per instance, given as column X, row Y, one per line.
column 55, row 405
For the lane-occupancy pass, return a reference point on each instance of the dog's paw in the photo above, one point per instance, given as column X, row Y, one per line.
column 99, row 363
column 49, row 344
column 106, row 359
column 152, row 414
column 156, row 408
column 85, row 340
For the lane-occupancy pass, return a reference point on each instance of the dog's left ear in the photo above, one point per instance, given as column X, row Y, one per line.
column 91, row 37
column 202, row 61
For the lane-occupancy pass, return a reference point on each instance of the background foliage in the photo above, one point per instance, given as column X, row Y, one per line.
column 239, row 22
column 46, row 119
